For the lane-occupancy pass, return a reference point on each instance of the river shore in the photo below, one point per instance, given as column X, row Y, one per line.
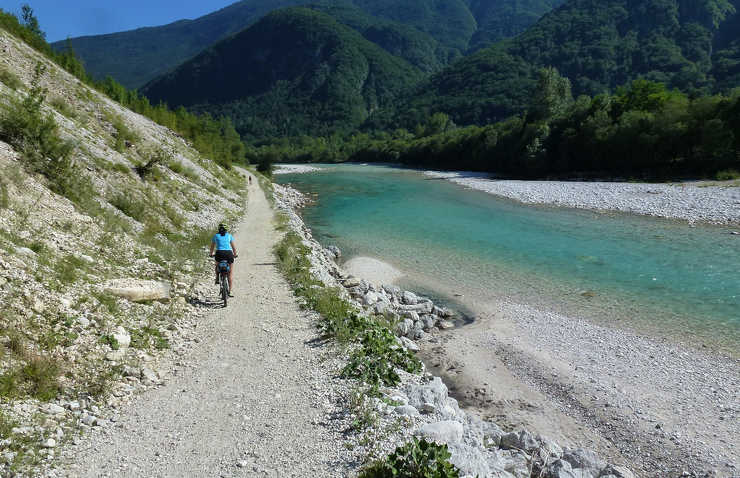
column 667, row 409
column 716, row 203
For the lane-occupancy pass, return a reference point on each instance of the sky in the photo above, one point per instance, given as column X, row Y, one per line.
column 72, row 18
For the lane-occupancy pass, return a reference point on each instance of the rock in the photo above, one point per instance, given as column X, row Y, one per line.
column 584, row 460
column 407, row 410
column 549, row 447
column 469, row 460
column 49, row 443
column 116, row 355
column 149, row 374
column 560, row 469
column 492, row 434
column 428, row 408
column 420, row 308
column 405, row 326
column 53, row 409
column 445, row 325
column 521, row 440
column 85, row 258
column 516, row 463
column 382, row 308
column 427, row 322
column 24, row 251
column 409, row 298
column 612, row 471
column 447, row 431
column 137, row 290
column 442, row 312
column 38, row 306
column 409, row 344
column 435, row 392
column 351, row 282
column 84, row 323
column 123, row 338
column 334, row 251
column 89, row 420
column 370, row 298
column 410, row 314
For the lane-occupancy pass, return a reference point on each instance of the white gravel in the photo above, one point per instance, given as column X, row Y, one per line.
column 688, row 201
column 294, row 169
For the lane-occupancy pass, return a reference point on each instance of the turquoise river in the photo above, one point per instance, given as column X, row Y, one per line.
column 657, row 276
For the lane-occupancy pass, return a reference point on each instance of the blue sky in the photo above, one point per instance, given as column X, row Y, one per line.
column 71, row 18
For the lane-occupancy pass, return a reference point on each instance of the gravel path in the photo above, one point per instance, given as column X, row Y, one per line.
column 257, row 400
column 690, row 202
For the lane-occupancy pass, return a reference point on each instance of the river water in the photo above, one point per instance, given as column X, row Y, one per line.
column 652, row 275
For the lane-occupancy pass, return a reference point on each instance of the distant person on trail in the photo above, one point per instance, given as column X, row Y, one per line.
column 225, row 250
column 250, row 180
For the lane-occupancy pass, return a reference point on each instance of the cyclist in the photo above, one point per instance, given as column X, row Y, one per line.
column 223, row 244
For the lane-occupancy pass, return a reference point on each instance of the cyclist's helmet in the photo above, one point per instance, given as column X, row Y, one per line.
column 222, row 229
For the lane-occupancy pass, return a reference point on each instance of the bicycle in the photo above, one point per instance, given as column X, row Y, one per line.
column 223, row 280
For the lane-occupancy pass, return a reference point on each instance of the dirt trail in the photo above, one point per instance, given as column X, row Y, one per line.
column 254, row 402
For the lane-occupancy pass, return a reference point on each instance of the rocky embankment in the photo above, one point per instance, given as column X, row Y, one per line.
column 420, row 405
column 717, row 203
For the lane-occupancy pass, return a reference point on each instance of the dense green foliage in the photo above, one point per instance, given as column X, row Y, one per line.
column 408, row 28
column 316, row 76
column 416, row 459
column 643, row 130
column 598, row 46
column 215, row 138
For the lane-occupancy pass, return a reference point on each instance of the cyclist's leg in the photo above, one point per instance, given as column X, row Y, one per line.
column 231, row 275
column 216, row 269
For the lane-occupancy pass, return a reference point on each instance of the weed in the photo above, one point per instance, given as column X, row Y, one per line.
column 121, row 168
column 63, row 107
column 148, row 337
column 124, row 136
column 109, row 303
column 109, row 340
column 129, row 205
column 149, row 169
column 10, row 79
column 38, row 377
column 416, row 459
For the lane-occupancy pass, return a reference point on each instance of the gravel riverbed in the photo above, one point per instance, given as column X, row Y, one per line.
column 693, row 202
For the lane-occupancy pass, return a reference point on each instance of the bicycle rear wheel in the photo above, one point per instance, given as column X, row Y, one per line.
column 224, row 289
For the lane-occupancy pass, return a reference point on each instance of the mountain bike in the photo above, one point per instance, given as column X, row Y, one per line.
column 223, row 280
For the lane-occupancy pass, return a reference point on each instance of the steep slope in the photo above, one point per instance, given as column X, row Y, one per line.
column 138, row 56
column 597, row 45
column 92, row 197
column 296, row 71
column 726, row 58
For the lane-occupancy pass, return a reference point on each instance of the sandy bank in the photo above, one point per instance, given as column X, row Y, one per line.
column 687, row 201
column 373, row 270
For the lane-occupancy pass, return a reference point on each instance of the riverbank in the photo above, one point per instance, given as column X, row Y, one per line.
column 662, row 407
column 716, row 203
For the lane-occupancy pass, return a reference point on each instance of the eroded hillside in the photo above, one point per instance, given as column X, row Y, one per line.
column 92, row 197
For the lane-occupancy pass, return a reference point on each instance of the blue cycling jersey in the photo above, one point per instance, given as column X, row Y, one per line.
column 223, row 243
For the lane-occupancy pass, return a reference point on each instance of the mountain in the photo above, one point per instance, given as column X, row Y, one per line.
column 598, row 46
column 137, row 56
column 296, row 71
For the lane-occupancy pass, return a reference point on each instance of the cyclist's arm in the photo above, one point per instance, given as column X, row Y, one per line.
column 213, row 244
column 233, row 248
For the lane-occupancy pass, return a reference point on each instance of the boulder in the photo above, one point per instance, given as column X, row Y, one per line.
column 137, row 290
column 612, row 471
column 445, row 325
column 443, row 312
column 53, row 409
column 411, row 315
column 584, row 460
column 447, row 431
column 521, row 440
column 469, row 460
column 559, row 469
column 410, row 298
column 405, row 326
column 116, row 355
column 434, row 392
column 24, row 251
column 407, row 410
column 370, row 298
column 420, row 308
column 492, row 434
column 149, row 375
column 122, row 337
column 409, row 344
column 427, row 322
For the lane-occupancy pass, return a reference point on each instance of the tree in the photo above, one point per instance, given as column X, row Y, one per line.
column 30, row 21
column 552, row 97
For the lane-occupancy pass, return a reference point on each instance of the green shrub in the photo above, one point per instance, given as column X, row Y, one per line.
column 37, row 378
column 149, row 169
column 109, row 340
column 130, row 206
column 148, row 337
column 63, row 107
column 123, row 134
column 415, row 459
column 10, row 79
column 728, row 174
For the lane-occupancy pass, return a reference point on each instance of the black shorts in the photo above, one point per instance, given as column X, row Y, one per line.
column 225, row 256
